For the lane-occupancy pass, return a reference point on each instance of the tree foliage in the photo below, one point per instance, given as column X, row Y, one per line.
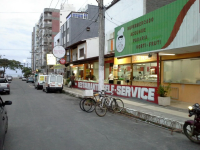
column 10, row 64
column 27, row 71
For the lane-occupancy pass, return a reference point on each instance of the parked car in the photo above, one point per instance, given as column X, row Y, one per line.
column 30, row 79
column 4, row 86
column 9, row 78
column 53, row 83
column 24, row 79
column 3, row 121
column 20, row 77
column 40, row 79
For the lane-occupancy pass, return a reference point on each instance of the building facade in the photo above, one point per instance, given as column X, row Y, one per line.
column 46, row 29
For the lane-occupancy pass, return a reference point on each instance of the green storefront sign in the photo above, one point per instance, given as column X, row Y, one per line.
column 153, row 31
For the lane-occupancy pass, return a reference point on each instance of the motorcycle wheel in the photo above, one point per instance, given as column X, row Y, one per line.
column 187, row 128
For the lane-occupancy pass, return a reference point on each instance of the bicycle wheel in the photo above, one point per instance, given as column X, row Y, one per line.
column 89, row 105
column 100, row 109
column 117, row 105
column 81, row 104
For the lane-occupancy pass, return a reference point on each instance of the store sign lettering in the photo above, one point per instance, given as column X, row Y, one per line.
column 144, row 93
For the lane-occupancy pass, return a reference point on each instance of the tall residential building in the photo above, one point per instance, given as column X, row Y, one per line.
column 45, row 30
column 32, row 49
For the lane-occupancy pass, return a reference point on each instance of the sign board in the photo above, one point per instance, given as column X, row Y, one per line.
column 51, row 60
column 164, row 28
column 41, row 78
column 129, row 91
column 59, row 51
column 62, row 61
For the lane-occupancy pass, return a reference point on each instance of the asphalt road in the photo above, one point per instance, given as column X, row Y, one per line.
column 54, row 121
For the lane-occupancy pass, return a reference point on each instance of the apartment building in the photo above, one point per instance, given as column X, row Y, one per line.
column 45, row 30
column 79, row 26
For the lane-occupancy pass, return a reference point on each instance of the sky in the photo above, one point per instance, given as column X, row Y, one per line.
column 17, row 19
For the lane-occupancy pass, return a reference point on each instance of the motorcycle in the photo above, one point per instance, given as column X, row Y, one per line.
column 191, row 128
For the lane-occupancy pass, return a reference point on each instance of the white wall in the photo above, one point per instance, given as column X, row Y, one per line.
column 120, row 13
column 56, row 38
column 65, row 11
column 92, row 48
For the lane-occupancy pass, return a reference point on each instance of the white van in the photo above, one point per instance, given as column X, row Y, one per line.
column 53, row 83
column 40, row 79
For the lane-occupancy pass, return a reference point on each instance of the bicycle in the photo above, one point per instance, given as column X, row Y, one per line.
column 100, row 106
column 116, row 104
column 88, row 104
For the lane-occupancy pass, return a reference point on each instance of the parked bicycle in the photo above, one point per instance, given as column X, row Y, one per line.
column 116, row 104
column 100, row 106
column 88, row 104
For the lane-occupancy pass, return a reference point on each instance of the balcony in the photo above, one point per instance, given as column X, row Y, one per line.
column 47, row 10
column 46, row 32
column 48, row 17
column 47, row 25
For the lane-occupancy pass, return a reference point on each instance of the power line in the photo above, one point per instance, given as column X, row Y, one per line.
column 86, row 26
column 112, row 22
column 50, row 3
column 113, row 18
column 56, row 4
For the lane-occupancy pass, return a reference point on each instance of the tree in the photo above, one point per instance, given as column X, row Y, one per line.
column 10, row 64
column 27, row 71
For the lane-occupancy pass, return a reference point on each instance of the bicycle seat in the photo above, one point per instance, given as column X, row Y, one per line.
column 96, row 94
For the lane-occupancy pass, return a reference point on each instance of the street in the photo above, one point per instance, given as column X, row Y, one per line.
column 54, row 121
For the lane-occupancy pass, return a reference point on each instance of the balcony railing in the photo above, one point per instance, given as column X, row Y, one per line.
column 48, row 17
column 47, row 25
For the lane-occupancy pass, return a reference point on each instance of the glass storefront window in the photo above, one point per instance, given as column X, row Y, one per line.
column 182, row 71
column 145, row 71
column 96, row 70
column 124, row 72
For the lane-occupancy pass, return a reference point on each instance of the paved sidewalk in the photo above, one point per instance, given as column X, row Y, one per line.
column 177, row 111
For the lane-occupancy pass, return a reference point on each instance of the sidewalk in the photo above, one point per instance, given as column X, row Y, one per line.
column 176, row 112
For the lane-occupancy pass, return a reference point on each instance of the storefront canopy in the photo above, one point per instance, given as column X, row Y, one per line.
column 58, row 66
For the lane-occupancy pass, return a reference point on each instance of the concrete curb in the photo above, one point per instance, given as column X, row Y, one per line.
column 161, row 121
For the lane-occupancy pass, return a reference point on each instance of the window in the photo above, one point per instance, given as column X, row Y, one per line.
column 67, row 24
column 64, row 26
column 68, row 37
column 53, row 79
column 61, row 29
column 59, row 79
column 3, row 80
column 81, row 52
column 182, row 71
column 145, row 71
column 111, row 45
column 64, row 39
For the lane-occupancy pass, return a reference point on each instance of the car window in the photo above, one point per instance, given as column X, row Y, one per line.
column 53, row 79
column 59, row 79
column 3, row 81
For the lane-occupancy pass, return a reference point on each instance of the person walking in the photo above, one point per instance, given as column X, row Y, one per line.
column 72, row 79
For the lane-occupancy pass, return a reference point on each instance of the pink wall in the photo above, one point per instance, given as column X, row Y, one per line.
column 55, row 26
column 56, row 14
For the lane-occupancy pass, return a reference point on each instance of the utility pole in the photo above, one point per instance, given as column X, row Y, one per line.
column 101, row 44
